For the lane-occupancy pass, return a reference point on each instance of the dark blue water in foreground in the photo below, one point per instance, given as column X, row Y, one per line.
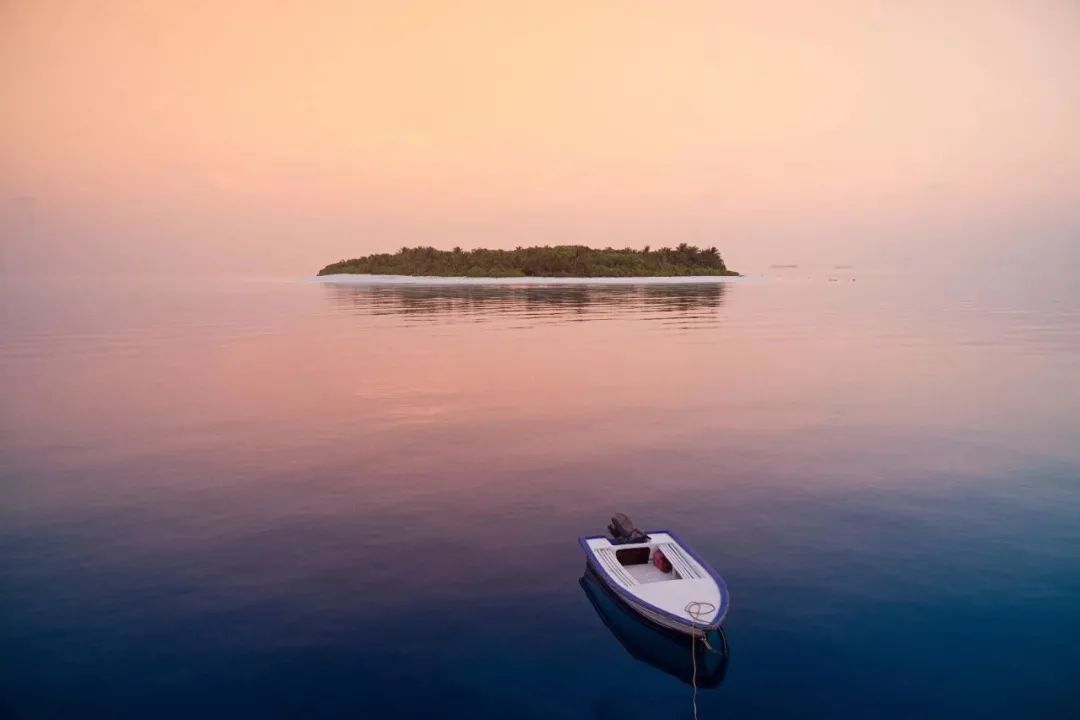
column 278, row 499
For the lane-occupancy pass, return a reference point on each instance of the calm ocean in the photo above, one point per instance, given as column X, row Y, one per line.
column 275, row 498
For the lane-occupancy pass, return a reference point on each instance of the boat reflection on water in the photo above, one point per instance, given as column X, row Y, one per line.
column 664, row 649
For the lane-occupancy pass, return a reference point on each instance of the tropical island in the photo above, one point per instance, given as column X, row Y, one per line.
column 558, row 261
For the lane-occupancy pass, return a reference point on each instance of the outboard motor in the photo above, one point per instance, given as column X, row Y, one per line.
column 623, row 531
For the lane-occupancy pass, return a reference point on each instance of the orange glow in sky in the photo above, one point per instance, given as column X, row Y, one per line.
column 280, row 136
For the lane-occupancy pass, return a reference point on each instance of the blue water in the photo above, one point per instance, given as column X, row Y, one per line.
column 286, row 499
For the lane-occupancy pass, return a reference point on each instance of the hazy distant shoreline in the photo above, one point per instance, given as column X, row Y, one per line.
column 359, row 279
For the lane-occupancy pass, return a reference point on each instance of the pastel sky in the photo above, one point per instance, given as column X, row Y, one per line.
column 278, row 136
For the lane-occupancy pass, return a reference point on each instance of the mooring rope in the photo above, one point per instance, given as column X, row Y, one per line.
column 699, row 611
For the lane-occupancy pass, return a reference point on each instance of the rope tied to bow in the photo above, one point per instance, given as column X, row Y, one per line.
column 700, row 611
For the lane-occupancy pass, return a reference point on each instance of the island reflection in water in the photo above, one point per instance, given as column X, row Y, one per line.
column 662, row 649
column 692, row 302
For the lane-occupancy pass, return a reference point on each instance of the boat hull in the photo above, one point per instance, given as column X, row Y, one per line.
column 638, row 607
column 652, row 598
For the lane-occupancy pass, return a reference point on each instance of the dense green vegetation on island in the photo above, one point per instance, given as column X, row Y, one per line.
column 558, row 261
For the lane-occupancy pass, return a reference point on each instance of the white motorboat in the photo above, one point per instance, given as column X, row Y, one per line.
column 659, row 576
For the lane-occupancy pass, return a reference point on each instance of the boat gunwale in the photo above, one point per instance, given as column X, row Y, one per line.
column 718, row 617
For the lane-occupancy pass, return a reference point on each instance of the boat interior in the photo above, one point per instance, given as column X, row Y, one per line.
column 642, row 564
